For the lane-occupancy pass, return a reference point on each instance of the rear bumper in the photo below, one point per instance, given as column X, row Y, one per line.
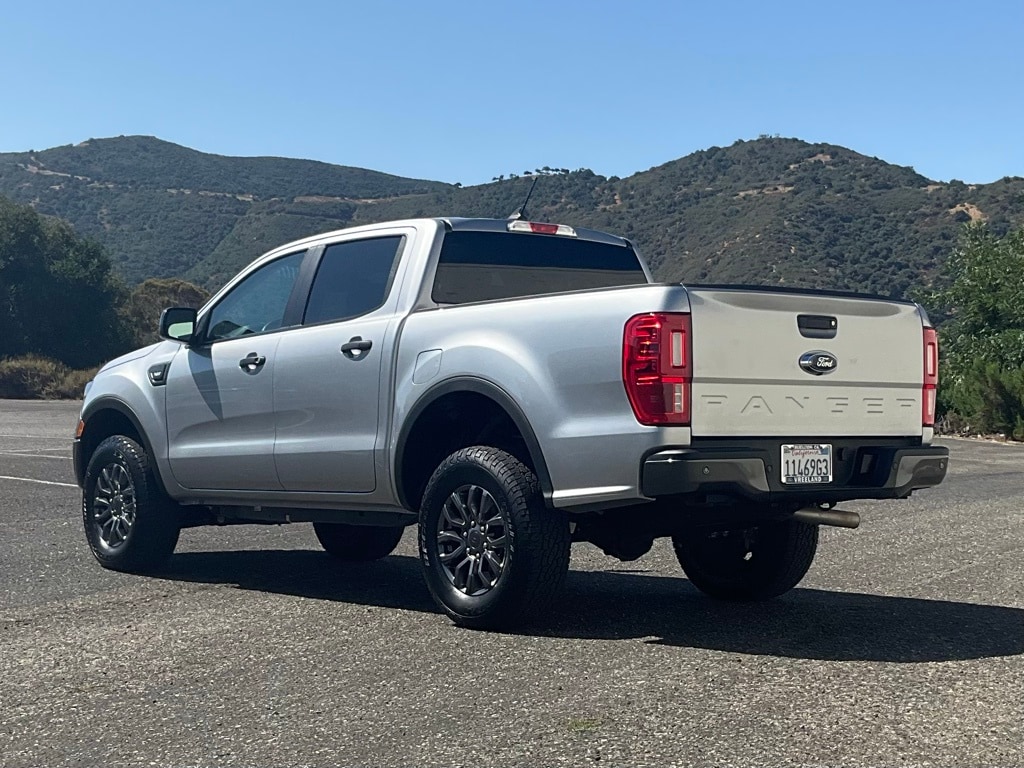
column 861, row 470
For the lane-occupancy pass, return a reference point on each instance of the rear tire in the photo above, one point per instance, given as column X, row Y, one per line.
column 493, row 554
column 130, row 523
column 358, row 543
column 750, row 564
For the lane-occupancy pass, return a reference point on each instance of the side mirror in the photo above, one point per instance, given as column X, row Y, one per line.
column 178, row 324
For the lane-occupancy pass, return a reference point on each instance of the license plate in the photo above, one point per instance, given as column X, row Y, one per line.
column 806, row 464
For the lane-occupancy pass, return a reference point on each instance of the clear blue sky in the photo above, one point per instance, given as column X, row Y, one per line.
column 464, row 91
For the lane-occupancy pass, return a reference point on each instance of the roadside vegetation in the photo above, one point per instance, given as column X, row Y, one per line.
column 32, row 377
column 980, row 310
column 63, row 310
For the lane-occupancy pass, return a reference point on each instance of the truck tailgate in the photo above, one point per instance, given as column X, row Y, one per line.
column 865, row 380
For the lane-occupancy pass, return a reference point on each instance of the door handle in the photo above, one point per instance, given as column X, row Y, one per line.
column 252, row 362
column 354, row 348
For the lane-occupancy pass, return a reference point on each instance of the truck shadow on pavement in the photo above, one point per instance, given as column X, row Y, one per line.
column 610, row 605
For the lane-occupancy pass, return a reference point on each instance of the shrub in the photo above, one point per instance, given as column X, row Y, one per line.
column 72, row 385
column 989, row 399
column 32, row 378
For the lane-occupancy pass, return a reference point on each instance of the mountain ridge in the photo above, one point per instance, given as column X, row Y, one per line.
column 766, row 211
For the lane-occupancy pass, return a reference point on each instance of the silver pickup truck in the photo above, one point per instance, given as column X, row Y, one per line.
column 510, row 387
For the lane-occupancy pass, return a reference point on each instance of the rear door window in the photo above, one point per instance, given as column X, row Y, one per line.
column 353, row 278
column 482, row 266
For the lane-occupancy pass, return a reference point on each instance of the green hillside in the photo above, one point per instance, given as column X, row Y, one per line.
column 770, row 211
column 161, row 208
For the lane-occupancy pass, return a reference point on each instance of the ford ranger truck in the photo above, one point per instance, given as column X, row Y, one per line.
column 509, row 388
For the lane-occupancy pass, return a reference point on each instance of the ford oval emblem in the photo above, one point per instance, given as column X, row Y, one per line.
column 818, row 363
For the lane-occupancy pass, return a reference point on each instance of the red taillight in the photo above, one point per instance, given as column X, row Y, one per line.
column 657, row 367
column 931, row 377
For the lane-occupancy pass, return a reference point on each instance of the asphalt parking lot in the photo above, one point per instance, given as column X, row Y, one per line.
column 903, row 646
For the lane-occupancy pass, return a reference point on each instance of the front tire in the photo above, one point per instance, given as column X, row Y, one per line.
column 130, row 523
column 357, row 543
column 492, row 552
column 750, row 564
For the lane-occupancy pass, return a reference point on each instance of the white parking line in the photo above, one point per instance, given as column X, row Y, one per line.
column 34, row 455
column 39, row 437
column 41, row 482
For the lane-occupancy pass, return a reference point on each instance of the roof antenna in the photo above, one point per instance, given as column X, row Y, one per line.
column 522, row 209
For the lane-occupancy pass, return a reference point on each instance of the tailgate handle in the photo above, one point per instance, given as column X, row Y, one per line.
column 817, row 326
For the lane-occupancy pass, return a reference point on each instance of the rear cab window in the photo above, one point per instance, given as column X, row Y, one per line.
column 486, row 266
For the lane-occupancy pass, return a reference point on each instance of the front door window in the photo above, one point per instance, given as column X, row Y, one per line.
column 258, row 303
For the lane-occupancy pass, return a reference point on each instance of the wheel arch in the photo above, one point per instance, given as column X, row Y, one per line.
column 503, row 421
column 108, row 416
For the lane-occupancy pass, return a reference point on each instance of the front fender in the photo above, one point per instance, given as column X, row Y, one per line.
column 126, row 391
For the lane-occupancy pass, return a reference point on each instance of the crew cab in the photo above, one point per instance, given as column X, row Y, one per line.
column 510, row 387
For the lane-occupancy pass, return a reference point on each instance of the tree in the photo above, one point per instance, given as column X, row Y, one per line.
column 58, row 293
column 982, row 335
column 983, row 298
column 153, row 296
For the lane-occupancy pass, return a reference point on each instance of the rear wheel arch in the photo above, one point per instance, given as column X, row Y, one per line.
column 456, row 414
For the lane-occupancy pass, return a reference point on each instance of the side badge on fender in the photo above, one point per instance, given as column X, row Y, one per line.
column 818, row 363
